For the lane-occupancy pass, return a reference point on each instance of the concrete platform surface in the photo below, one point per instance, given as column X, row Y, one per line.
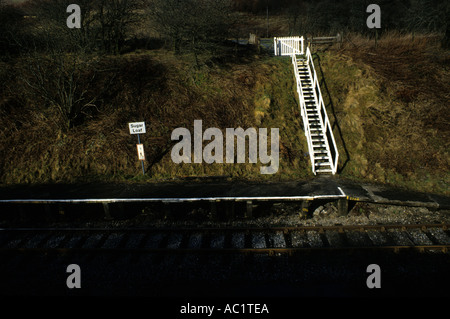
column 218, row 189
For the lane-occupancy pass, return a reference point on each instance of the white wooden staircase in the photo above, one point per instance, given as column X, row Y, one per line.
column 321, row 143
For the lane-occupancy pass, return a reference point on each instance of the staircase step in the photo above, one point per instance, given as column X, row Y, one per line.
column 322, row 160
column 324, row 171
column 323, row 164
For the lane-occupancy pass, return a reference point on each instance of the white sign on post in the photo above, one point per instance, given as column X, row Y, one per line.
column 140, row 150
column 137, row 127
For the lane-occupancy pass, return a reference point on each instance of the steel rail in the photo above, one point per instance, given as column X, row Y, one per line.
column 269, row 251
column 233, row 250
column 380, row 227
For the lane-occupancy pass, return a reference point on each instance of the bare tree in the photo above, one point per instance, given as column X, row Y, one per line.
column 71, row 86
column 105, row 24
column 116, row 18
column 13, row 28
column 201, row 24
column 427, row 15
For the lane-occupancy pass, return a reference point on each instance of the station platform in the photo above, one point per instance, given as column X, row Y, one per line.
column 220, row 189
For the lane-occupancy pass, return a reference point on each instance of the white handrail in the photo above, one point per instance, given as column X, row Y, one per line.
column 303, row 111
column 324, row 121
column 293, row 46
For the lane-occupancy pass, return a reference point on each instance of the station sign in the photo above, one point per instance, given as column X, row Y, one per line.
column 137, row 127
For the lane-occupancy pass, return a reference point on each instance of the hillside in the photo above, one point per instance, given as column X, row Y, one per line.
column 388, row 107
column 391, row 105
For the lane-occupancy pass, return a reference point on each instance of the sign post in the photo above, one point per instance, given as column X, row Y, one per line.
column 139, row 128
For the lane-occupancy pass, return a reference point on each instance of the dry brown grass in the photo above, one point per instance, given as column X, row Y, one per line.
column 392, row 105
column 164, row 90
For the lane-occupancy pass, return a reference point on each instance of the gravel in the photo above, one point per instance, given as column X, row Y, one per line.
column 266, row 215
column 290, row 214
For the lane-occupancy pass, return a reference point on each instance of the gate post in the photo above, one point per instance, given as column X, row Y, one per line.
column 275, row 46
column 302, row 47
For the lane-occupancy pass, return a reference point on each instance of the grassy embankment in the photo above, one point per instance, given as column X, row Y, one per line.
column 390, row 103
column 165, row 91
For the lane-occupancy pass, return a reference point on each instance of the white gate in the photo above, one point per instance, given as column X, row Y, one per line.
column 288, row 46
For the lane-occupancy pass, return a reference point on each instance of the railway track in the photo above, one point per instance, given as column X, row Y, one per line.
column 234, row 240
column 226, row 261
